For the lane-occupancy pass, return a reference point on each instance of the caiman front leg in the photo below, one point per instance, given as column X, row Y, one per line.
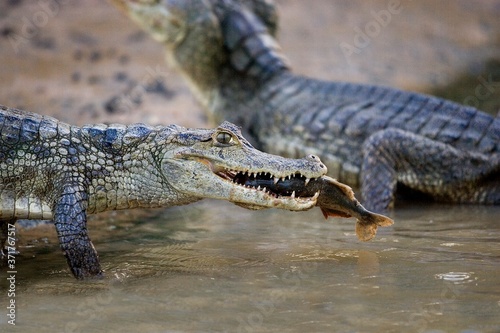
column 394, row 156
column 70, row 220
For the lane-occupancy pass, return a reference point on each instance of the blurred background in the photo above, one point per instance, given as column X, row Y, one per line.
column 85, row 62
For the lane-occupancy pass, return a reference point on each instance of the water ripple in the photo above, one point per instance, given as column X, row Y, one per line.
column 456, row 277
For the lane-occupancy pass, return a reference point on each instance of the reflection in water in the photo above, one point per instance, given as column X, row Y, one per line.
column 368, row 264
column 215, row 267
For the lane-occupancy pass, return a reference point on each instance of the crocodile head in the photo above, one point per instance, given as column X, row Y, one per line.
column 221, row 164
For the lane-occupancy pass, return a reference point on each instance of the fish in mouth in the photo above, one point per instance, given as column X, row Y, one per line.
column 335, row 199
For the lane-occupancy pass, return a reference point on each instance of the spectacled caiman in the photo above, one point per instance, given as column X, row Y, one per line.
column 50, row 170
column 369, row 136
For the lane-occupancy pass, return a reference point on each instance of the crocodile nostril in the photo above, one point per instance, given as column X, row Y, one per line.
column 313, row 157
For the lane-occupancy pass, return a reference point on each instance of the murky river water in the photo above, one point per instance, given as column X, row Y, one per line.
column 215, row 267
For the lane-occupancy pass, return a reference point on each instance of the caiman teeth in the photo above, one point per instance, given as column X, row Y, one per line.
column 289, row 186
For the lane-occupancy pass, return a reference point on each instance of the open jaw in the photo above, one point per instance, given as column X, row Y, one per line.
column 280, row 191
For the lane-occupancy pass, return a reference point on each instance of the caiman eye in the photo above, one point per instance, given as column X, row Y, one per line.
column 224, row 138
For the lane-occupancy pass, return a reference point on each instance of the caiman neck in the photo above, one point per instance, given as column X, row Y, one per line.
column 236, row 98
column 222, row 87
column 229, row 65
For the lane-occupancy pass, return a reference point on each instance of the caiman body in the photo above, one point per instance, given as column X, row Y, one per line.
column 51, row 170
column 369, row 136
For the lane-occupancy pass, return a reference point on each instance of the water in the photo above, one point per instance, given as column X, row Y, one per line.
column 215, row 267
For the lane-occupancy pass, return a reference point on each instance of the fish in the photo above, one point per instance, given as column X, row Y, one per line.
column 335, row 200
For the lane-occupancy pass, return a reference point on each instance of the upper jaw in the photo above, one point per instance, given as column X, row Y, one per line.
column 152, row 16
column 127, row 4
column 205, row 178
column 123, row 5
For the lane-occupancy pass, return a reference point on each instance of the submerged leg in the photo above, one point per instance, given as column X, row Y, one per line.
column 70, row 220
column 394, row 156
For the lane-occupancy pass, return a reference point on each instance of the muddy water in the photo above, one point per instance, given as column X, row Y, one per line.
column 215, row 267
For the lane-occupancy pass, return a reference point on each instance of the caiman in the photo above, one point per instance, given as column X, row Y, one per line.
column 374, row 137
column 50, row 170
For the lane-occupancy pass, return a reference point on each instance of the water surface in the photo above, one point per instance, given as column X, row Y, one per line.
column 215, row 267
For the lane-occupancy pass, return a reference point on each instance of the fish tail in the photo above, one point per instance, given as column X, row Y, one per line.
column 380, row 220
column 366, row 227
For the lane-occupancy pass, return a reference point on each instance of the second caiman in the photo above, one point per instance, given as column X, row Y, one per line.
column 369, row 136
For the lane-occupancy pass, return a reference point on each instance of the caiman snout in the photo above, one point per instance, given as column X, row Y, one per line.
column 314, row 158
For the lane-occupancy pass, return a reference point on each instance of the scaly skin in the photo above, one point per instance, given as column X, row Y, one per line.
column 369, row 136
column 54, row 171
